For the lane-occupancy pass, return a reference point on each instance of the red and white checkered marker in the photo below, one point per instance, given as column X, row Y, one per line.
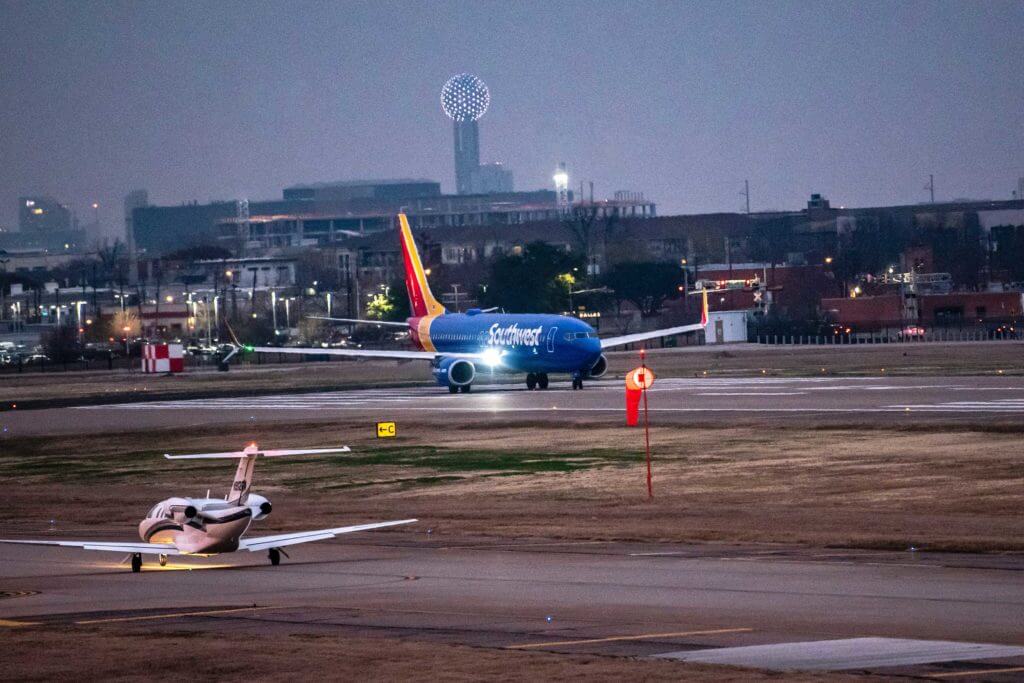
column 163, row 358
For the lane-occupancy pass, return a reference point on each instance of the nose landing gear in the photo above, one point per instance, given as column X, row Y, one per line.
column 577, row 381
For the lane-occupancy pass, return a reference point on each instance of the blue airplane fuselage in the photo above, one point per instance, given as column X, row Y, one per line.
column 531, row 343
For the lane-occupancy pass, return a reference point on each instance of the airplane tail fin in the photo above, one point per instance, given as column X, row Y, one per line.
column 421, row 300
column 243, row 476
column 242, row 483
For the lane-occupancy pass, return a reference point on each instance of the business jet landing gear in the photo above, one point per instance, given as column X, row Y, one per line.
column 535, row 380
column 275, row 556
column 136, row 563
column 163, row 560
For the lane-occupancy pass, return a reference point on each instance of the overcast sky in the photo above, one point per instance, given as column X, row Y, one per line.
column 683, row 101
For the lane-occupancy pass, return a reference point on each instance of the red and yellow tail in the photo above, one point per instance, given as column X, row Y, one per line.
column 421, row 300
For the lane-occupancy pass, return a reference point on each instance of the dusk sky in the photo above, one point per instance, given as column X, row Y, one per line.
column 682, row 101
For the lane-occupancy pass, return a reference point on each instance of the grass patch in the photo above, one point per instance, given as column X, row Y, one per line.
column 427, row 465
column 464, row 460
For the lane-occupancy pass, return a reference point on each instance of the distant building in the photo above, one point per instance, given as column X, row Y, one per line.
column 43, row 214
column 258, row 273
column 473, row 212
column 44, row 224
column 489, row 179
column 135, row 199
column 348, row 190
column 955, row 310
column 163, row 229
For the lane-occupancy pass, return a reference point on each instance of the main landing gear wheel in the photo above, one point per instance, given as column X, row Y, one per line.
column 577, row 383
column 136, row 563
column 542, row 380
column 275, row 556
column 531, row 381
column 452, row 389
column 163, row 560
column 466, row 388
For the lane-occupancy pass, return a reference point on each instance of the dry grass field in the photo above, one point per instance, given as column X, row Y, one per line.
column 958, row 488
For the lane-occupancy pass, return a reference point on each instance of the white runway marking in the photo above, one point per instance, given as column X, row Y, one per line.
column 1005, row 405
column 751, row 393
column 848, row 653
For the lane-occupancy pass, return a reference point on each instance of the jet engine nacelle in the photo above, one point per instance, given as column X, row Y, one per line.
column 600, row 367
column 454, row 372
column 259, row 505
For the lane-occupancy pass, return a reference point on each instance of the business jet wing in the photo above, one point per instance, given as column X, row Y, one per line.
column 114, row 547
column 280, row 540
column 359, row 321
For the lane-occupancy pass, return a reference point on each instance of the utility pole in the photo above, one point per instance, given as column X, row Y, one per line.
column 931, row 187
column 746, row 194
column 455, row 289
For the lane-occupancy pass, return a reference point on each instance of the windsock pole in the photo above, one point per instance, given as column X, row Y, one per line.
column 647, row 429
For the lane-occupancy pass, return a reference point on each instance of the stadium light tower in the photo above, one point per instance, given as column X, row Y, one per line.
column 465, row 98
column 561, row 179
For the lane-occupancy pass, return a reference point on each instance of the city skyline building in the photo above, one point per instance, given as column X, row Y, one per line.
column 39, row 213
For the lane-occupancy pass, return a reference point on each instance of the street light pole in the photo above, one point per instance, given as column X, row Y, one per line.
column 206, row 314
column 273, row 308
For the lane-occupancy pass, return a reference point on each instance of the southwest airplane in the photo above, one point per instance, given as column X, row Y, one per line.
column 455, row 344
column 210, row 526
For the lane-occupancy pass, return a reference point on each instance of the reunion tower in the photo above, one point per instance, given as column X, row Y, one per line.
column 464, row 99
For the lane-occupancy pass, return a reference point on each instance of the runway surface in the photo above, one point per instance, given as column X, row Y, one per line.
column 585, row 597
column 678, row 400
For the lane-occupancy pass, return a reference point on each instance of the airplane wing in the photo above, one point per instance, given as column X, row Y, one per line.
column 266, row 454
column 138, row 547
column 280, row 540
column 359, row 321
column 354, row 353
column 608, row 342
column 652, row 334
column 364, row 353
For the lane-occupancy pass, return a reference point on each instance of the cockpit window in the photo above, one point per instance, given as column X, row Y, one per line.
column 155, row 512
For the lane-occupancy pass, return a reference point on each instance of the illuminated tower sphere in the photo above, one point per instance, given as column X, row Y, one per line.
column 465, row 98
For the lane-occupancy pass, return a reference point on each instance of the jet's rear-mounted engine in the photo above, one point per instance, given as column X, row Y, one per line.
column 190, row 513
column 600, row 367
column 454, row 372
column 260, row 506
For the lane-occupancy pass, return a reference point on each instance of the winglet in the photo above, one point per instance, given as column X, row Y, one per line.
column 421, row 300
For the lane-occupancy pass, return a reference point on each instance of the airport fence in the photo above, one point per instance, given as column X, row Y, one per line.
column 939, row 335
column 42, row 364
